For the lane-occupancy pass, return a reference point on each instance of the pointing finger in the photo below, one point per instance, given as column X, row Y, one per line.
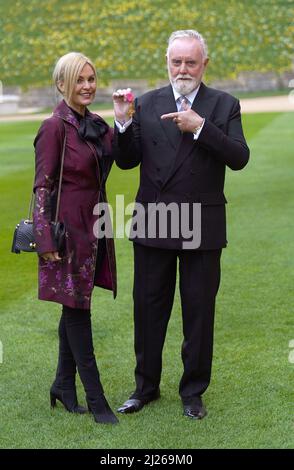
column 169, row 116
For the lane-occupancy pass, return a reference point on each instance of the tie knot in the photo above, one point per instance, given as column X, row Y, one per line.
column 184, row 103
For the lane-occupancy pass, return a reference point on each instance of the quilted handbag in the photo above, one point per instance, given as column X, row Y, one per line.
column 23, row 238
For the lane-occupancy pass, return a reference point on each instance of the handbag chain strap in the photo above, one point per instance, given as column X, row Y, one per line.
column 31, row 205
column 59, row 184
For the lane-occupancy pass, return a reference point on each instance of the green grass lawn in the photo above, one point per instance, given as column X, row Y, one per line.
column 250, row 399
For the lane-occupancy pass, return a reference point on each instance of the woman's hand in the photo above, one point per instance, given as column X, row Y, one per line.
column 123, row 105
column 51, row 256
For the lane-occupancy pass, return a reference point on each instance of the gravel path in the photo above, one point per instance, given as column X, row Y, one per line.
column 266, row 104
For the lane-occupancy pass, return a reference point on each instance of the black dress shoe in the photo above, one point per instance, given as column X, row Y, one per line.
column 195, row 409
column 133, row 405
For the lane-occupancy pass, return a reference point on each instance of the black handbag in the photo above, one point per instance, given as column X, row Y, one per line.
column 23, row 237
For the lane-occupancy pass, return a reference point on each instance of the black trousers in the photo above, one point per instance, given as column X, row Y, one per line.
column 155, row 274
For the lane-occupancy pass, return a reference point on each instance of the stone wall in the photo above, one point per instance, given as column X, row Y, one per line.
column 246, row 82
column 255, row 81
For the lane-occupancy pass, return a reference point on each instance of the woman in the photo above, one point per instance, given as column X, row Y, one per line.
column 68, row 277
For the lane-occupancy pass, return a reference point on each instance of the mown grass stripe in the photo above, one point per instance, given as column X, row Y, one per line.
column 250, row 398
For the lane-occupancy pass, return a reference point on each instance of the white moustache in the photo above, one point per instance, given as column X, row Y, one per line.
column 183, row 77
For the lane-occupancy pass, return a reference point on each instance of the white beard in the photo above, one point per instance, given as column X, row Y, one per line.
column 184, row 87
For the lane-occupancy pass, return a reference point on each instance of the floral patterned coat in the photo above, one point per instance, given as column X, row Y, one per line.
column 71, row 280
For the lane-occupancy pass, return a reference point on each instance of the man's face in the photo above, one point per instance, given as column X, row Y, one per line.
column 186, row 64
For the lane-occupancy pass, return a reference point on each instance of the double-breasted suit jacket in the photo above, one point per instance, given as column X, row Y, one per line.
column 175, row 168
column 71, row 280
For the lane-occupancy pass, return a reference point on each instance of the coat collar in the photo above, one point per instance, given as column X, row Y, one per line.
column 204, row 105
column 64, row 112
column 204, row 102
column 164, row 103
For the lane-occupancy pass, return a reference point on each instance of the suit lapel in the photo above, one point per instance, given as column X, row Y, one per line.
column 164, row 103
column 203, row 104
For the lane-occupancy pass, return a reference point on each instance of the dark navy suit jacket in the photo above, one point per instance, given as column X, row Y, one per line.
column 175, row 168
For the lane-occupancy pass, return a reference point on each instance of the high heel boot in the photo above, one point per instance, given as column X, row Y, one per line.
column 79, row 334
column 64, row 388
column 68, row 398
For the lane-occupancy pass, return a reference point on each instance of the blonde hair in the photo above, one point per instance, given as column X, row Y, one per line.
column 67, row 71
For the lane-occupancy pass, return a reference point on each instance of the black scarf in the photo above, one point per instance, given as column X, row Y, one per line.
column 93, row 130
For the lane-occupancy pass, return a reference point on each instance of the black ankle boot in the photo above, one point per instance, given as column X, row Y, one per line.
column 101, row 410
column 68, row 398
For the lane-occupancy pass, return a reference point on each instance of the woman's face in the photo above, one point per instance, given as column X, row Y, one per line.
column 85, row 89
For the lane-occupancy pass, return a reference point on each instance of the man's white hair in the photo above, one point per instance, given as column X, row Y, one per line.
column 188, row 33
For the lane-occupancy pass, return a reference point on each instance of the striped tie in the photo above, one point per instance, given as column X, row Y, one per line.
column 184, row 103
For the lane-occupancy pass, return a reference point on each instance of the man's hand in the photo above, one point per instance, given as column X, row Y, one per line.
column 187, row 121
column 123, row 104
column 51, row 256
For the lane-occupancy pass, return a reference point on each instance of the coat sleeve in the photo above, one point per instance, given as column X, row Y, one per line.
column 230, row 147
column 126, row 148
column 48, row 147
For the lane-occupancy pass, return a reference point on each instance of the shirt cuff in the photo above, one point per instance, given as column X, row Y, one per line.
column 197, row 134
column 123, row 127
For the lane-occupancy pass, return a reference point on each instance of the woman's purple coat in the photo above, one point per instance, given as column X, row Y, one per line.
column 70, row 281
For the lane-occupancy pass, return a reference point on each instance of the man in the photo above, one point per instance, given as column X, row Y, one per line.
column 183, row 136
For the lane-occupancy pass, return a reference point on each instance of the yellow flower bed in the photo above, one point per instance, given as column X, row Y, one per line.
column 127, row 39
